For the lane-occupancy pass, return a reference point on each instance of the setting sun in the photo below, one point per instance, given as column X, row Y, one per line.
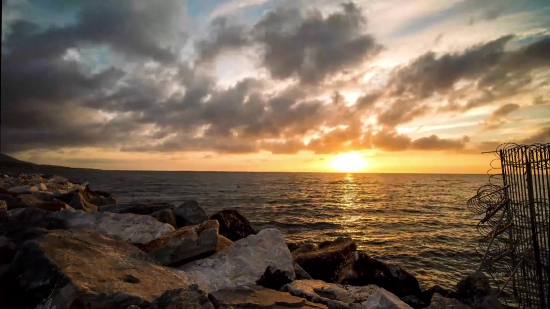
column 349, row 162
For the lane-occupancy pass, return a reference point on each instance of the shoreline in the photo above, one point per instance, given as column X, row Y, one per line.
column 171, row 234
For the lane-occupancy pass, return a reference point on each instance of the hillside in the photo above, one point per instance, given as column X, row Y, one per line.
column 7, row 161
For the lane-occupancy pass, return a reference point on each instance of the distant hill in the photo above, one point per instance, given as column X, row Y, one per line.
column 7, row 162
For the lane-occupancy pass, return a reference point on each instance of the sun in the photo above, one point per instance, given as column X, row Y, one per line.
column 349, row 162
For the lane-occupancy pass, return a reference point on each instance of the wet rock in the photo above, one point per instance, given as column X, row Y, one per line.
column 190, row 213
column 60, row 270
column 427, row 295
column 383, row 299
column 130, row 228
column 301, row 274
column 184, row 244
column 134, row 208
column 233, row 224
column 223, row 243
column 242, row 263
column 475, row 291
column 7, row 250
column 100, row 200
column 191, row 298
column 334, row 296
column 78, row 202
column 441, row 302
column 23, row 201
column 54, row 205
column 165, row 216
column 331, row 263
column 273, row 278
column 394, row 278
column 259, row 298
column 305, row 247
column 27, row 214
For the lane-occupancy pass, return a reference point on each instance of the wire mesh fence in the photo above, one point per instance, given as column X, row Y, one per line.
column 516, row 225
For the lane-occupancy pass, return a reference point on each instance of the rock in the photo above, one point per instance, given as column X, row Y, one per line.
column 414, row 301
column 301, row 274
column 223, row 243
column 24, row 201
column 475, row 291
column 259, row 298
column 331, row 263
column 134, row 208
column 57, row 179
column 367, row 270
column 130, row 228
column 273, row 278
column 233, row 224
column 4, row 211
column 7, row 250
column 440, row 302
column 61, row 270
column 334, row 296
column 54, row 205
column 59, row 193
column 44, row 195
column 27, row 214
column 191, row 213
column 427, row 295
column 383, row 299
column 20, row 189
column 42, row 187
column 165, row 216
column 242, row 263
column 190, row 298
column 305, row 247
column 79, row 202
column 99, row 200
column 185, row 244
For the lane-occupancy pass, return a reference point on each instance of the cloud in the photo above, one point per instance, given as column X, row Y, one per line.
column 499, row 116
column 433, row 142
column 541, row 136
column 224, row 36
column 391, row 141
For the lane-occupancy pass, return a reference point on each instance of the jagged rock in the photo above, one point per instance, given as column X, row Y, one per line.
column 428, row 294
column 44, row 195
column 27, row 214
column 475, row 291
column 54, row 205
column 233, row 224
column 61, row 270
column 301, row 274
column 242, row 263
column 59, row 192
column 23, row 201
column 190, row 298
column 305, row 247
column 414, row 301
column 191, row 213
column 79, row 202
column 165, row 216
column 20, row 189
column 394, row 278
column 383, row 299
column 330, row 263
column 273, row 278
column 100, row 200
column 4, row 211
column 42, row 187
column 7, row 250
column 334, row 296
column 185, row 244
column 57, row 179
column 222, row 243
column 256, row 297
column 440, row 302
column 130, row 228
column 134, row 208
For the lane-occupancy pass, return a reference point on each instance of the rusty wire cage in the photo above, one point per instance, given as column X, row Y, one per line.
column 516, row 223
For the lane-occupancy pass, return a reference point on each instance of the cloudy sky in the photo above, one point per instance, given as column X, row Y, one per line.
column 256, row 85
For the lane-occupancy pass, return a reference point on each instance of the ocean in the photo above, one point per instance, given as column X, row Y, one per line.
column 419, row 221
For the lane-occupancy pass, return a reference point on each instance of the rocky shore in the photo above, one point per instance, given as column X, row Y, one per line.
column 63, row 245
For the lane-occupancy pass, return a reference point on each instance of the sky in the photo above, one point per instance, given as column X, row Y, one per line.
column 419, row 86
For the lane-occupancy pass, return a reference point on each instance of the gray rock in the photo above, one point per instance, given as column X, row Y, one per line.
column 475, row 291
column 414, row 301
column 99, row 200
column 190, row 213
column 301, row 274
column 134, row 208
column 335, row 296
column 223, row 243
column 233, row 224
column 440, row 302
column 255, row 297
column 165, row 216
column 273, row 278
column 79, row 203
column 383, row 299
column 130, row 228
column 242, row 263
column 23, row 201
column 27, row 214
column 85, row 269
column 185, row 244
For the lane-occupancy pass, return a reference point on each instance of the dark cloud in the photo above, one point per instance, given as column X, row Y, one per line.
column 224, row 35
column 540, row 100
column 401, row 111
column 499, row 116
column 391, row 141
column 433, row 142
column 312, row 47
column 541, row 136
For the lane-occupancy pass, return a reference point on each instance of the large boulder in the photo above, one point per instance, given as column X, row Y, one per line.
column 185, row 244
column 7, row 250
column 165, row 216
column 274, row 278
column 475, row 291
column 330, row 262
column 427, row 295
column 383, row 299
column 80, row 203
column 27, row 214
column 23, row 201
column 258, row 297
column 130, row 228
column 85, row 269
column 441, row 302
column 242, row 263
column 222, row 243
column 334, row 296
column 53, row 205
column 100, row 200
column 233, row 224
column 134, row 208
column 301, row 274
column 394, row 278
column 190, row 213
